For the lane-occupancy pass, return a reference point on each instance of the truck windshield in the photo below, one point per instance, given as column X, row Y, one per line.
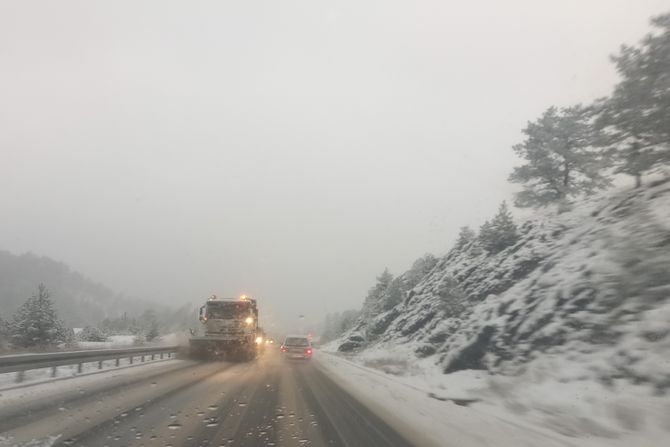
column 227, row 310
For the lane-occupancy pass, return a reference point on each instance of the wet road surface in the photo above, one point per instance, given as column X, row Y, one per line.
column 267, row 402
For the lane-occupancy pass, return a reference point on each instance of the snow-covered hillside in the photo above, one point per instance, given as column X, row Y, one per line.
column 582, row 299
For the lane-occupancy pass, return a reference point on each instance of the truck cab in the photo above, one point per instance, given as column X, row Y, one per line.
column 230, row 328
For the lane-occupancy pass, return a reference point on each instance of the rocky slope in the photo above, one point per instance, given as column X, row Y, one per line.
column 588, row 286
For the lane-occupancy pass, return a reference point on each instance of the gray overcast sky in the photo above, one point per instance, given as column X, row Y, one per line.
column 286, row 149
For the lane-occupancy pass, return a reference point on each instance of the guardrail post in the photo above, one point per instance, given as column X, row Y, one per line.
column 100, row 364
column 20, row 375
column 131, row 359
column 152, row 356
column 79, row 368
column 117, row 361
column 169, row 355
column 142, row 357
column 161, row 356
column 54, row 371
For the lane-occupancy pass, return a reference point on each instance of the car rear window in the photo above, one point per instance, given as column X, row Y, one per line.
column 296, row 341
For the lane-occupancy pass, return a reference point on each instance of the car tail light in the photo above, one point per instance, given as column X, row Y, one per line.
column 308, row 351
column 284, row 349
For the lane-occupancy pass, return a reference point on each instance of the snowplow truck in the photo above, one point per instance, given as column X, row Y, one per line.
column 230, row 329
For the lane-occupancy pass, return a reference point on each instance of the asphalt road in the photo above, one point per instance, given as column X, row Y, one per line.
column 267, row 402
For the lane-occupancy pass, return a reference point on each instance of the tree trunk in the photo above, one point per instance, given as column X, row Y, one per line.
column 638, row 180
column 566, row 174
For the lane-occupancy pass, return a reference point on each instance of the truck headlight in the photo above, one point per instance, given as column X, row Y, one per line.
column 249, row 320
column 259, row 340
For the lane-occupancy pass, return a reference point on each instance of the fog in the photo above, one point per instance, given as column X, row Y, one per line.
column 289, row 150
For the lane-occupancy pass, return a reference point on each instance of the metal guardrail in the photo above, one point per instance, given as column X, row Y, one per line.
column 21, row 363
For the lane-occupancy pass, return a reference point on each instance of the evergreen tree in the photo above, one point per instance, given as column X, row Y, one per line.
column 420, row 268
column 486, row 235
column 36, row 323
column 499, row 233
column 504, row 230
column 394, row 294
column 562, row 158
column 373, row 301
column 465, row 236
column 90, row 333
column 636, row 118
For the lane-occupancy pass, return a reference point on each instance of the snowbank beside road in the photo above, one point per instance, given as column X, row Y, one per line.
column 476, row 408
column 123, row 341
column 428, row 421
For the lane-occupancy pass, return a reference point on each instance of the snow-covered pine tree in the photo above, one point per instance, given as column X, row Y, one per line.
column 420, row 268
column 394, row 294
column 465, row 236
column 562, row 158
column 36, row 322
column 486, row 235
column 636, row 118
column 503, row 229
column 374, row 300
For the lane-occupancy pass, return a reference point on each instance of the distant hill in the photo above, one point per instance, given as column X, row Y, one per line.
column 79, row 300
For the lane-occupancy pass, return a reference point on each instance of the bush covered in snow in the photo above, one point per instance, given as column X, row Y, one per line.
column 90, row 333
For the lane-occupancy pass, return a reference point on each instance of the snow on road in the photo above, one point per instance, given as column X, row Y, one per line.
column 48, row 389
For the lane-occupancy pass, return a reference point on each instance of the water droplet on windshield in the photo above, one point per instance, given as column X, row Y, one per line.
column 242, row 404
column 212, row 407
column 174, row 426
column 211, row 422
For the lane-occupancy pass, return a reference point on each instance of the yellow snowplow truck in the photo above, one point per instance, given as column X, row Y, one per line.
column 230, row 328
